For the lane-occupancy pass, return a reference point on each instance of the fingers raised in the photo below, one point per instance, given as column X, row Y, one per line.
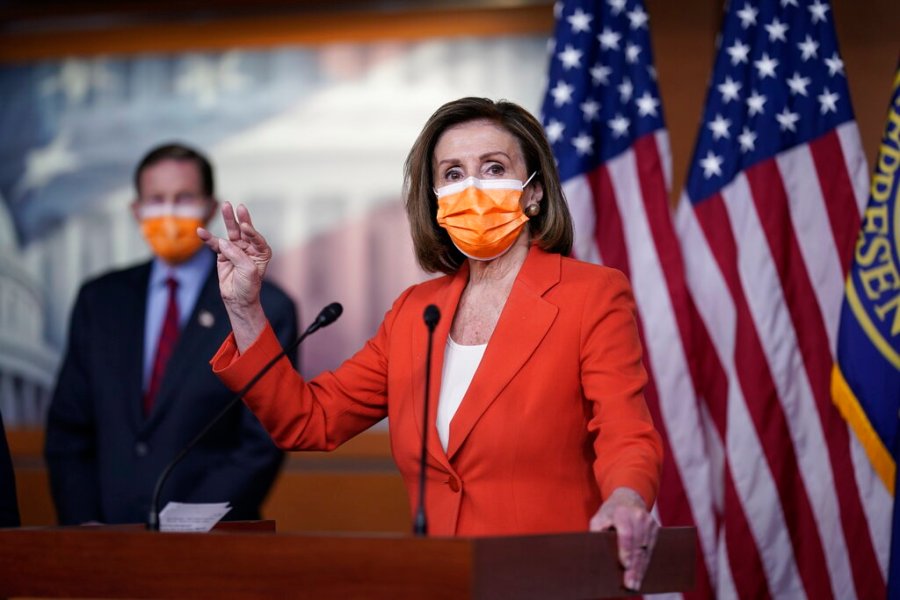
column 250, row 234
column 232, row 225
column 208, row 239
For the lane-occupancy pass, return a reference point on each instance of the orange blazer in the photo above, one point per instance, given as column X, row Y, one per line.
column 553, row 421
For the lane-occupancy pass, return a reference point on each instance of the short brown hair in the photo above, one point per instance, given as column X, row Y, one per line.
column 177, row 151
column 551, row 229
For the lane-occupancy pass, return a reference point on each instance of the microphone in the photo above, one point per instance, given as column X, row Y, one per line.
column 420, row 525
column 328, row 316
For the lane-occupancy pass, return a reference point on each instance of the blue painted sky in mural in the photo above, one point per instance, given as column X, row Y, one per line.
column 71, row 128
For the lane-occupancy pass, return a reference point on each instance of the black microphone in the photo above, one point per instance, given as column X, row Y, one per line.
column 328, row 316
column 432, row 316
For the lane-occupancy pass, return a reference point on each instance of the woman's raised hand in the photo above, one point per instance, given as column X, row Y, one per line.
column 241, row 265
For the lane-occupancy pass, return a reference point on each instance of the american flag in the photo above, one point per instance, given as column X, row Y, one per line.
column 767, row 224
column 603, row 117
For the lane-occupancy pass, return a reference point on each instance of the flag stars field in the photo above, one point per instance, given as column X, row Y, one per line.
column 580, row 21
column 600, row 74
column 619, row 125
column 756, row 103
column 609, row 39
column 797, row 84
column 647, row 105
column 809, row 48
column 638, row 18
column 828, row 101
column 570, row 58
column 590, row 108
column 777, row 31
column 729, row 89
column 766, row 66
column 835, row 65
column 787, row 119
column 719, row 127
column 748, row 16
column 738, row 52
column 818, row 11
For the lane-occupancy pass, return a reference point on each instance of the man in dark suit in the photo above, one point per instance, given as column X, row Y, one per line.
column 136, row 384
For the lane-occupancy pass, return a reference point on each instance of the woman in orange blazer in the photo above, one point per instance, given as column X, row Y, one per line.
column 540, row 423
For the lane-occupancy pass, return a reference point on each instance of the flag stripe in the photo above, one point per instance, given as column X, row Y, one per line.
column 662, row 230
column 608, row 236
column 580, row 199
column 810, row 219
column 837, row 189
column 748, row 574
column 855, row 162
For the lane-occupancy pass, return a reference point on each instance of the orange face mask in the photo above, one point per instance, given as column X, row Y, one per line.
column 482, row 216
column 171, row 232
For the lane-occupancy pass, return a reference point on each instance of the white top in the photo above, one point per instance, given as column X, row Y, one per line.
column 460, row 363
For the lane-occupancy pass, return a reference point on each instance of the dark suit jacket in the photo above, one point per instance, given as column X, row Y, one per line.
column 9, row 507
column 104, row 456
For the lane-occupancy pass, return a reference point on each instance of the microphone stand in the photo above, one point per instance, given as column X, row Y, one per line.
column 420, row 526
column 328, row 315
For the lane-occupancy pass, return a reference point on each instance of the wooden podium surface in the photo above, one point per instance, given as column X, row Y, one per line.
column 125, row 562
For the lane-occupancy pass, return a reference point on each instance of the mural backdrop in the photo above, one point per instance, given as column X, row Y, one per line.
column 312, row 139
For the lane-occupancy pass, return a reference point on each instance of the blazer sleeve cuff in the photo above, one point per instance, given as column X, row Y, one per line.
column 236, row 369
column 644, row 482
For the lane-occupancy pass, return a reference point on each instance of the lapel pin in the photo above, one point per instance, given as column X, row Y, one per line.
column 206, row 319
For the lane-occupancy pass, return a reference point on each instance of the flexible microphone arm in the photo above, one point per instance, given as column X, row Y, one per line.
column 328, row 316
column 420, row 526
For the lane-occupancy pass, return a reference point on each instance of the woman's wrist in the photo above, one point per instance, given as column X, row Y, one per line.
column 247, row 322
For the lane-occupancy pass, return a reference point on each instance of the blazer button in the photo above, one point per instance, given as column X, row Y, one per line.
column 454, row 484
column 141, row 449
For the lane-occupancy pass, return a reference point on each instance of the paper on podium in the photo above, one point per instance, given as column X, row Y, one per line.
column 182, row 516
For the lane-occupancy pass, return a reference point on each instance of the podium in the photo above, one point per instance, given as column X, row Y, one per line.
column 253, row 562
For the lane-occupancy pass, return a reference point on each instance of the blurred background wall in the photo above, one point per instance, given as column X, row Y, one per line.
column 307, row 109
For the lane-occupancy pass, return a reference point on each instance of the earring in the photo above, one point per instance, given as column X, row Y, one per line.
column 533, row 210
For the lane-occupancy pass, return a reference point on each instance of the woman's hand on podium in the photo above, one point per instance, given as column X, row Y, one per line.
column 625, row 513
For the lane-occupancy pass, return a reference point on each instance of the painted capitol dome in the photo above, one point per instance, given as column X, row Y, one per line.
column 27, row 363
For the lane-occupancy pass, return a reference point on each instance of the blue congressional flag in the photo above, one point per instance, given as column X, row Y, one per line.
column 866, row 376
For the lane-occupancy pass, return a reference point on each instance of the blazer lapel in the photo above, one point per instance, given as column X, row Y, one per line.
column 524, row 322
column 447, row 302
column 132, row 328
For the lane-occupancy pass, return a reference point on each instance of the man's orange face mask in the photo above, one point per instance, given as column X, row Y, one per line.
column 171, row 231
column 482, row 216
